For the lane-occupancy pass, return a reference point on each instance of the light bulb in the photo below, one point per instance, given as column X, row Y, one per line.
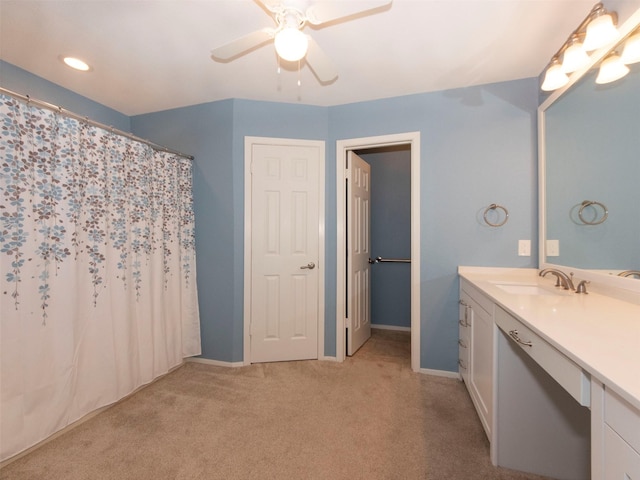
column 631, row 52
column 574, row 57
column 554, row 78
column 611, row 69
column 291, row 44
column 600, row 32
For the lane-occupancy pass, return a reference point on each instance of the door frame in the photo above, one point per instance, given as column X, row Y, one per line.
column 342, row 146
column 249, row 142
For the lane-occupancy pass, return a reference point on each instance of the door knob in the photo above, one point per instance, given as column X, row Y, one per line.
column 309, row 265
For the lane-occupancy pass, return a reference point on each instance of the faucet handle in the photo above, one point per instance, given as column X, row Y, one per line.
column 582, row 287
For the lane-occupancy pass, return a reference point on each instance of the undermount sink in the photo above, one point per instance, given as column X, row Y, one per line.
column 523, row 289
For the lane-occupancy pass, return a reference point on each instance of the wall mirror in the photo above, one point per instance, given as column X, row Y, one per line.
column 589, row 175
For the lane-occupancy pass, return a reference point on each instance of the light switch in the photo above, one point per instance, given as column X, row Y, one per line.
column 553, row 248
column 524, row 248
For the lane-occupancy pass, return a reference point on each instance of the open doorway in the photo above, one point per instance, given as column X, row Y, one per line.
column 390, row 236
column 401, row 144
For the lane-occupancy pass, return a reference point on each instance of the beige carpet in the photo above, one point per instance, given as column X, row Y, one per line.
column 370, row 417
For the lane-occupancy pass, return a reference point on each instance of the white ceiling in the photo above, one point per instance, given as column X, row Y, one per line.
column 150, row 55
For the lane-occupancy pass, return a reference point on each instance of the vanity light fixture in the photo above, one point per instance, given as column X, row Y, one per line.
column 631, row 52
column 595, row 31
column 611, row 69
column 601, row 30
column 575, row 57
column 554, row 78
column 76, row 63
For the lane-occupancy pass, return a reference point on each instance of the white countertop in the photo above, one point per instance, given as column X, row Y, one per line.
column 599, row 333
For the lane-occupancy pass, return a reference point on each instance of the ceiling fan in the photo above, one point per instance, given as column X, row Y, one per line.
column 291, row 44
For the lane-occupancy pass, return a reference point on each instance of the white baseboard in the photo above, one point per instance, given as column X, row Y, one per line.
column 217, row 363
column 440, row 373
column 391, row 327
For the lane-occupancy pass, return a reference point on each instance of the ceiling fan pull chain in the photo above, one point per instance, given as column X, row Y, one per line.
column 299, row 83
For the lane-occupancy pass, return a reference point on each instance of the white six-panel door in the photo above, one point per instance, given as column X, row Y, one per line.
column 284, row 252
column 358, row 253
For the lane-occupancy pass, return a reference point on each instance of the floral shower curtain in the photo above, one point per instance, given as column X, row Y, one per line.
column 97, row 265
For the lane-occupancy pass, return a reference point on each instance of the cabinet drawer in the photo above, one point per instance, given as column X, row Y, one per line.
column 620, row 460
column 623, row 418
column 475, row 297
column 563, row 370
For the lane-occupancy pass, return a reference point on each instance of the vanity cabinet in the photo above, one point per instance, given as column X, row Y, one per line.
column 476, row 352
column 615, row 436
column 542, row 419
column 565, row 372
column 552, row 375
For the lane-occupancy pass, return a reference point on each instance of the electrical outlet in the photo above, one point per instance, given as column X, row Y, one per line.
column 524, row 248
column 553, row 248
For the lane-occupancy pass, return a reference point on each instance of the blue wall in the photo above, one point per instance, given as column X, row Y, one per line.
column 206, row 131
column 478, row 147
column 390, row 234
column 20, row 81
column 214, row 133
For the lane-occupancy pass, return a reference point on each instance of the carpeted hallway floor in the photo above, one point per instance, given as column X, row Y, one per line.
column 370, row 417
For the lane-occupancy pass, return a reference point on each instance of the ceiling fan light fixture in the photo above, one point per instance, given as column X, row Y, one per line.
column 601, row 31
column 291, row 44
column 611, row 69
column 631, row 52
column 554, row 78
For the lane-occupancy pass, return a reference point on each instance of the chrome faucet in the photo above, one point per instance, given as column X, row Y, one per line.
column 562, row 279
column 582, row 287
column 630, row 273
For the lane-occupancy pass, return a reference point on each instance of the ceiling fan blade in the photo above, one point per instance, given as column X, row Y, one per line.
column 320, row 63
column 242, row 44
column 323, row 12
column 272, row 5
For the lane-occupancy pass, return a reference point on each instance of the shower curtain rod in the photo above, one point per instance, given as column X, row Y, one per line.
column 56, row 108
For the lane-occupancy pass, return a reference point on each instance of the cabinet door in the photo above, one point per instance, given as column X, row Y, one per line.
column 480, row 333
column 481, row 374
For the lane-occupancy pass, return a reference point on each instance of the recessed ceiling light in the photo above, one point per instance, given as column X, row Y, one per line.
column 76, row 63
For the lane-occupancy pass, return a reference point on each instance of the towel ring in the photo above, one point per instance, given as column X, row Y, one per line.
column 495, row 206
column 589, row 203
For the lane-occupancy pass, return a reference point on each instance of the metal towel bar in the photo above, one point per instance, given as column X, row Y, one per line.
column 390, row 260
